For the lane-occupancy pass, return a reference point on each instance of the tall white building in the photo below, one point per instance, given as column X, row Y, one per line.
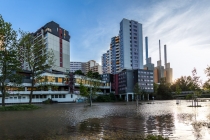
column 126, row 49
column 131, row 44
column 56, row 39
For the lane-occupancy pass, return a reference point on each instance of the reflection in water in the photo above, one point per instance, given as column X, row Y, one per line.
column 163, row 124
column 64, row 120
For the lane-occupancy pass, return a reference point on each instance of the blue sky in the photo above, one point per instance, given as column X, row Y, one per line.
column 183, row 25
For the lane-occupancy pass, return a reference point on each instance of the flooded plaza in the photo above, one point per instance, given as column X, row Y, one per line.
column 75, row 120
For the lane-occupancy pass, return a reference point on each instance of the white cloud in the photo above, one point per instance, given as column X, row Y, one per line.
column 182, row 25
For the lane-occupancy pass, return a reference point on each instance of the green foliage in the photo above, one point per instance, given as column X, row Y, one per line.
column 106, row 98
column 207, row 72
column 164, row 91
column 178, row 90
column 184, row 83
column 195, row 80
column 137, row 90
column 155, row 87
column 206, row 85
column 94, row 75
column 189, row 96
column 9, row 60
column 79, row 72
column 90, row 90
column 18, row 108
column 84, row 91
column 38, row 57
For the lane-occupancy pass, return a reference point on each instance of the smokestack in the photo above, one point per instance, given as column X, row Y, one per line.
column 160, row 52
column 165, row 55
column 146, row 48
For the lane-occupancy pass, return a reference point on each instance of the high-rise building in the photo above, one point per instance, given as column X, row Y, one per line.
column 126, row 49
column 131, row 45
column 115, row 55
column 56, row 39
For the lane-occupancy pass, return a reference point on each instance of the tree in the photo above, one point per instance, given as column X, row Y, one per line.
column 207, row 72
column 164, row 91
column 184, row 83
column 94, row 75
column 178, row 90
column 206, row 85
column 9, row 63
column 90, row 90
column 89, row 74
column 137, row 92
column 79, row 72
column 196, row 84
column 155, row 87
column 36, row 55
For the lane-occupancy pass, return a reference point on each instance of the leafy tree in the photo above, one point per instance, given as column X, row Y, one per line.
column 137, row 92
column 184, row 83
column 94, row 75
column 9, row 63
column 164, row 91
column 178, row 90
column 195, row 87
column 89, row 74
column 89, row 91
column 155, row 87
column 206, row 85
column 207, row 72
column 37, row 56
column 79, row 72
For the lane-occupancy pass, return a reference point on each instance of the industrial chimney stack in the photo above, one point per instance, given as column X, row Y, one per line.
column 160, row 52
column 165, row 55
column 146, row 48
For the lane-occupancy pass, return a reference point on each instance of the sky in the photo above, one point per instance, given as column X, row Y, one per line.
column 182, row 25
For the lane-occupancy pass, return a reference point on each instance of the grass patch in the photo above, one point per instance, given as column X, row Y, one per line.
column 19, row 107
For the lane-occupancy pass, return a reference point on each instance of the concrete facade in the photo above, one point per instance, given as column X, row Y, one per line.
column 126, row 49
column 74, row 66
column 56, row 39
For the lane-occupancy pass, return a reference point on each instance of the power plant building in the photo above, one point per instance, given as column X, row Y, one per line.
column 160, row 71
